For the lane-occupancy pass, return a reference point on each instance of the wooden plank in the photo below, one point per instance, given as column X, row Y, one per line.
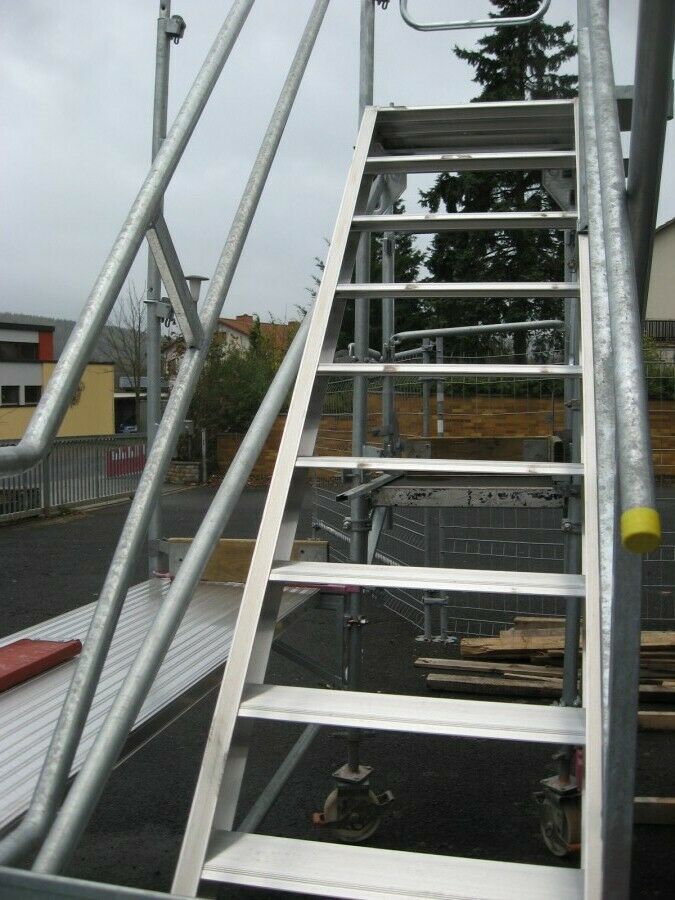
column 649, row 720
column 657, row 692
column 654, row 811
column 528, row 677
column 526, row 623
column 232, row 557
column 494, row 668
column 518, row 686
column 478, row 684
column 521, row 644
column 514, row 645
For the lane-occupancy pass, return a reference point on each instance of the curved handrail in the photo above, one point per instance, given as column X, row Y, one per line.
column 472, row 23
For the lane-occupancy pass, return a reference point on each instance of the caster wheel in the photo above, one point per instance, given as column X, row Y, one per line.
column 356, row 824
column 560, row 823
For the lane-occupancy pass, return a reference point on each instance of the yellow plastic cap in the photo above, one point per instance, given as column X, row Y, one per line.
column 640, row 529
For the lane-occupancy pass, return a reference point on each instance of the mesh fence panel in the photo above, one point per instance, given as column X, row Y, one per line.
column 491, row 538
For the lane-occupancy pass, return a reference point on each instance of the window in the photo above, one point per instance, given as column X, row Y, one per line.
column 18, row 351
column 32, row 393
column 9, row 395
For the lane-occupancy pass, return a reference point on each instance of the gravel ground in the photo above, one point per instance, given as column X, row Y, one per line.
column 464, row 797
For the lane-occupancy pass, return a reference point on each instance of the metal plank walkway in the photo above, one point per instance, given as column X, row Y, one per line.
column 28, row 712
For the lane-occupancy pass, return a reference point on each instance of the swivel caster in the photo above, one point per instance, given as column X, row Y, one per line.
column 560, row 823
column 353, row 819
column 352, row 809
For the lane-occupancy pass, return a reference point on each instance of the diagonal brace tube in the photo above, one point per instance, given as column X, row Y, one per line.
column 59, row 391
column 171, row 272
column 89, row 783
column 54, row 775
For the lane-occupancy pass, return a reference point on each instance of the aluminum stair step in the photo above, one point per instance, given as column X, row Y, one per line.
column 369, row 873
column 518, row 160
column 498, row 127
column 450, row 370
column 414, row 714
column 460, row 290
column 424, row 578
column 439, row 466
column 487, row 221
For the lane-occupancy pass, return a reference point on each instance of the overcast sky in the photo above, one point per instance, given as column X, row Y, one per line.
column 76, row 82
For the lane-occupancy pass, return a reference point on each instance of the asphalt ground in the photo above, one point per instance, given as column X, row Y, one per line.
column 464, row 797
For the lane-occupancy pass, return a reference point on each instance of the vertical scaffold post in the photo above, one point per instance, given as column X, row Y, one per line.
column 358, row 544
column 154, row 287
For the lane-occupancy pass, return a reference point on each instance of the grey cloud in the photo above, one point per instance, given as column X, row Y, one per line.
column 76, row 97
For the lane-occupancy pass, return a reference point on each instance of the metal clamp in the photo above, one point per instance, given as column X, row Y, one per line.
column 472, row 23
column 175, row 28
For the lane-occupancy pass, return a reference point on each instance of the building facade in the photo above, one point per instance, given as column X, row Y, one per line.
column 26, row 364
column 660, row 319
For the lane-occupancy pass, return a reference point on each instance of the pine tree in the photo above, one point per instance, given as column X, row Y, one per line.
column 512, row 63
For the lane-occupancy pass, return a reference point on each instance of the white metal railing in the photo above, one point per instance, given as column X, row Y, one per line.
column 77, row 470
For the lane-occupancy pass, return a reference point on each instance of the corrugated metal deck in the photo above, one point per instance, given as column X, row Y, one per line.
column 29, row 711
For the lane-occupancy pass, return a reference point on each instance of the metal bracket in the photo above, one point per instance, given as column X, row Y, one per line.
column 171, row 272
column 560, row 187
column 569, row 527
column 175, row 28
column 567, row 488
column 162, row 308
column 366, row 488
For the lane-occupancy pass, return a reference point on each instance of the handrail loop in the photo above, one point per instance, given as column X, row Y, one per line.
column 472, row 23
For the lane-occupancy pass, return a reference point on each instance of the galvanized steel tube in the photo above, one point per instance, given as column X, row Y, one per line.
column 153, row 402
column 66, row 376
column 77, row 703
column 476, row 329
column 640, row 524
column 620, row 585
column 358, row 539
column 89, row 783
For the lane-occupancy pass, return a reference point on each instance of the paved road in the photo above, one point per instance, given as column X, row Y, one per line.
column 462, row 797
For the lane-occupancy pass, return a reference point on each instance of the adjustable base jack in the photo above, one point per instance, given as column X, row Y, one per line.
column 352, row 809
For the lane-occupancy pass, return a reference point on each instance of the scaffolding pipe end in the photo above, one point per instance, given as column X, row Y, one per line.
column 640, row 529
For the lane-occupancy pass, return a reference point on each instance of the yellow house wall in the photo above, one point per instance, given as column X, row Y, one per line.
column 93, row 413
column 94, row 410
column 13, row 421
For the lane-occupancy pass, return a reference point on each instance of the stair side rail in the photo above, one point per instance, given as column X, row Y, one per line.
column 51, row 409
column 53, row 778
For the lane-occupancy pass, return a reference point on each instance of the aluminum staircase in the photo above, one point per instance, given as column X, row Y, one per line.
column 476, row 137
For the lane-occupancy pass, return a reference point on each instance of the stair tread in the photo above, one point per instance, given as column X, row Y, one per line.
column 370, row 873
column 499, row 127
column 505, row 370
column 415, row 714
column 440, row 466
column 467, row 289
column 435, row 222
column 430, row 579
column 480, row 161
